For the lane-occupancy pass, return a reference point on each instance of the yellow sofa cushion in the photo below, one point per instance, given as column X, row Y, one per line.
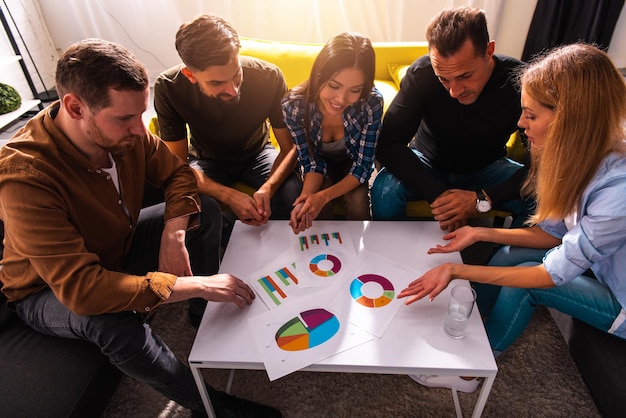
column 388, row 89
column 397, row 72
column 396, row 53
column 515, row 148
column 295, row 59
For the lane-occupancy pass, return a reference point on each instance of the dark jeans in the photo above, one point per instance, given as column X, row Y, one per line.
column 254, row 172
column 356, row 201
column 389, row 195
column 123, row 337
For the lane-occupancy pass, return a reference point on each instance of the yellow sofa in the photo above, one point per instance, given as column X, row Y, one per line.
column 295, row 59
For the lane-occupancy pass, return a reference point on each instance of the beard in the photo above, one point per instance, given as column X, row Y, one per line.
column 224, row 99
column 108, row 144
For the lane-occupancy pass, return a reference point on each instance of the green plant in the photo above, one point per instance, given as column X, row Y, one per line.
column 10, row 99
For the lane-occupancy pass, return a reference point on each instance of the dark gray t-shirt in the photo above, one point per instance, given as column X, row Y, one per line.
column 230, row 132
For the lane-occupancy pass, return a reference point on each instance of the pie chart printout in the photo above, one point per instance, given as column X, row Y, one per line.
column 310, row 329
column 356, row 290
column 325, row 265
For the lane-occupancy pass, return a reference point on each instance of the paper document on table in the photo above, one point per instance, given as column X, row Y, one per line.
column 298, row 335
column 369, row 299
column 278, row 282
column 324, row 256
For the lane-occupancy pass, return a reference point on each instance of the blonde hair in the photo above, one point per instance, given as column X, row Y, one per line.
column 587, row 94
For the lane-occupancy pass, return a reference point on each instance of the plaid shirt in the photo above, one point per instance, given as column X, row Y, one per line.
column 362, row 123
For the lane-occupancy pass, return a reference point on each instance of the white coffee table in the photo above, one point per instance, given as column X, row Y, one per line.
column 414, row 342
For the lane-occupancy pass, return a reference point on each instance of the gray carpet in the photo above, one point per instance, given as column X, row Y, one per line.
column 536, row 378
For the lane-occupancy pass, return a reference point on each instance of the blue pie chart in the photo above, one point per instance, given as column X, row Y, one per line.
column 310, row 329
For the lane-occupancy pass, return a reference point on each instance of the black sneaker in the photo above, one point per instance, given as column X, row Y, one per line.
column 228, row 406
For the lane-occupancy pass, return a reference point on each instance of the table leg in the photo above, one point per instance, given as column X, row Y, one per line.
column 457, row 404
column 482, row 397
column 204, row 394
column 229, row 384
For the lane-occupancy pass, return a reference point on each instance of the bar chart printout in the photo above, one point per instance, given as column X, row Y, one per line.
column 325, row 239
column 274, row 288
column 324, row 255
column 278, row 282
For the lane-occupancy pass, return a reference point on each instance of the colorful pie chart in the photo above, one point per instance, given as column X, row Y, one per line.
column 356, row 290
column 325, row 265
column 310, row 329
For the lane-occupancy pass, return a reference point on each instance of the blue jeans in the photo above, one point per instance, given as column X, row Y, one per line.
column 254, row 172
column 508, row 310
column 390, row 196
column 123, row 337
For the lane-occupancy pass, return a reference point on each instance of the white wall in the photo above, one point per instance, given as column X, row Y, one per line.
column 36, row 43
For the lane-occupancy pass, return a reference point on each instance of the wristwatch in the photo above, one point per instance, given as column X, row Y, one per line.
column 482, row 204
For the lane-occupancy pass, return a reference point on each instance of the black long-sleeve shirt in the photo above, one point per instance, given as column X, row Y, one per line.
column 454, row 137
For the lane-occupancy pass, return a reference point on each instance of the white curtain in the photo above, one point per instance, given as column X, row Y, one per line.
column 148, row 27
column 293, row 20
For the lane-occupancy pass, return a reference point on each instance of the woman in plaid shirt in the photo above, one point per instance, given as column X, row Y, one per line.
column 334, row 118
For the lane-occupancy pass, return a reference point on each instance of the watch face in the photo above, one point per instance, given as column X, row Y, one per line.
column 483, row 206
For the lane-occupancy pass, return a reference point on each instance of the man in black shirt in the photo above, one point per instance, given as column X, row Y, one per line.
column 457, row 107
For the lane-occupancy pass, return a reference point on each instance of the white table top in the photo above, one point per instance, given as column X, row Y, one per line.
column 415, row 341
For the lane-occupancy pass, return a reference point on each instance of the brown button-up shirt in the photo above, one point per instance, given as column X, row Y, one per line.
column 68, row 228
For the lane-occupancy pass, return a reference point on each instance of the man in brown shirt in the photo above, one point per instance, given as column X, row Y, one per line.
column 81, row 259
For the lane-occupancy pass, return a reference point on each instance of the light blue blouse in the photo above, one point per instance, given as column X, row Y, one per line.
column 595, row 237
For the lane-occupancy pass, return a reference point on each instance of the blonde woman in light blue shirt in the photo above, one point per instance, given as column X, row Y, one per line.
column 572, row 255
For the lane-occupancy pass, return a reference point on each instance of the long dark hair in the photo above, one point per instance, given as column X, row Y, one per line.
column 346, row 50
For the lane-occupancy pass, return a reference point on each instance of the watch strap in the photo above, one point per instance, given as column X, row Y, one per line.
column 482, row 198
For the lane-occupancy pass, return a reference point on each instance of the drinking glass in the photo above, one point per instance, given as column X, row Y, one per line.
column 460, row 307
